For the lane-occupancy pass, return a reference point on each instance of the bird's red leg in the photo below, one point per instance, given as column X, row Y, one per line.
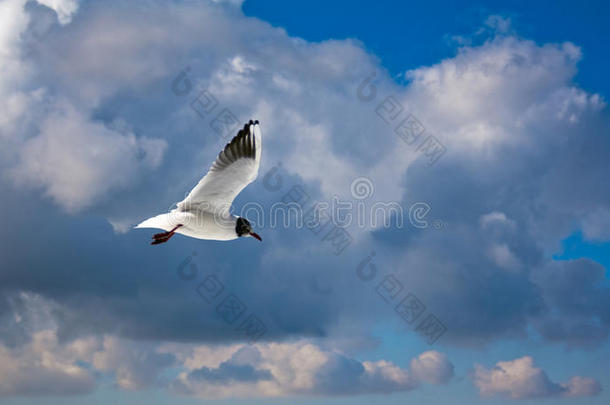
column 164, row 236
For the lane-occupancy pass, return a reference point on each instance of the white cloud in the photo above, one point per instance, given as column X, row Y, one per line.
column 432, row 367
column 581, row 387
column 43, row 367
column 503, row 257
column 37, row 363
column 13, row 71
column 496, row 217
column 520, row 379
column 65, row 9
column 135, row 366
column 385, row 376
column 509, row 112
column 516, row 128
column 301, row 368
column 77, row 161
column 484, row 100
column 74, row 159
column 485, row 96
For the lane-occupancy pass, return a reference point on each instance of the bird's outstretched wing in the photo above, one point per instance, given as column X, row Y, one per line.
column 235, row 167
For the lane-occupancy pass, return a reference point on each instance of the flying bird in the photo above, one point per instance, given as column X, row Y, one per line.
column 204, row 213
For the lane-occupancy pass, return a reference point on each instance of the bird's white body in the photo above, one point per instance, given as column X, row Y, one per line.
column 204, row 213
column 200, row 224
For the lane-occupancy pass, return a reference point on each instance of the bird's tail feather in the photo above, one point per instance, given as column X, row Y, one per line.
column 164, row 221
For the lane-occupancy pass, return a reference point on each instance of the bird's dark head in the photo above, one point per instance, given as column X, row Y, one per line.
column 243, row 228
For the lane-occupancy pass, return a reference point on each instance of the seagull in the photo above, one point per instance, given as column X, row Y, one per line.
column 204, row 213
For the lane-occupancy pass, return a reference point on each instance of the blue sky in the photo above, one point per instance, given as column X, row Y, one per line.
column 512, row 260
column 406, row 35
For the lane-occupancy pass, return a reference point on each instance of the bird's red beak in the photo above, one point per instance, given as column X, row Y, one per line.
column 255, row 235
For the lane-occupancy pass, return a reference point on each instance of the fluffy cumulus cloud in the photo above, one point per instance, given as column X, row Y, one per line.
column 62, row 149
column 36, row 360
column 39, row 362
column 33, row 361
column 105, row 120
column 512, row 120
column 302, row 368
column 433, row 367
column 43, row 367
column 521, row 379
column 135, row 366
column 64, row 8
column 59, row 159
